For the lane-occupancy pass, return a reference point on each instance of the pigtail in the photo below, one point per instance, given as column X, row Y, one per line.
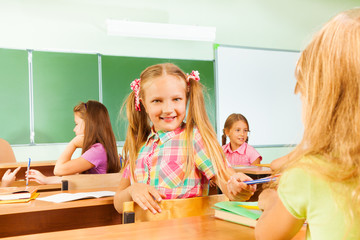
column 137, row 131
column 223, row 138
column 197, row 117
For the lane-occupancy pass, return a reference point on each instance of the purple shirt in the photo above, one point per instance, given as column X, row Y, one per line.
column 97, row 156
column 244, row 155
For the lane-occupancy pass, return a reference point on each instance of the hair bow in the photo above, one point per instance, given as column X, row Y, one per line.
column 194, row 75
column 135, row 86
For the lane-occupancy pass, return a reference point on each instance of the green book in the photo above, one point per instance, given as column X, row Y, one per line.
column 244, row 213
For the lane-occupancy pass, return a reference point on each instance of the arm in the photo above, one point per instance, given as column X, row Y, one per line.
column 276, row 219
column 67, row 166
column 257, row 161
column 277, row 163
column 9, row 177
column 144, row 195
column 235, row 189
column 37, row 176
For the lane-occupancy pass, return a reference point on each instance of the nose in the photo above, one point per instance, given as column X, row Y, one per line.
column 168, row 107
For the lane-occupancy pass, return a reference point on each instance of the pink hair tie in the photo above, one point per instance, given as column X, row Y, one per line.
column 193, row 75
column 135, row 86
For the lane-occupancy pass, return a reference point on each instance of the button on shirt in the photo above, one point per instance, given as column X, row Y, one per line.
column 244, row 155
column 162, row 163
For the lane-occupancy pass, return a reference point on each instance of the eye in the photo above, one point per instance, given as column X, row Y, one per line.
column 155, row 101
column 177, row 99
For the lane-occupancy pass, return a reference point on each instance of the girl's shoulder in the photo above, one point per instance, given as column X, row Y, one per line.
column 98, row 146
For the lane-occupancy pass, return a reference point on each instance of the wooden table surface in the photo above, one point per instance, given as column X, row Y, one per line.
column 254, row 170
column 199, row 228
column 40, row 216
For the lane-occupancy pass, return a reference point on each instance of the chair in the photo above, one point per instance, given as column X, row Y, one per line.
column 88, row 181
column 6, row 152
column 175, row 208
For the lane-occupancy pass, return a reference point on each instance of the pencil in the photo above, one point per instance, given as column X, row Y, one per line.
column 262, row 180
column 28, row 168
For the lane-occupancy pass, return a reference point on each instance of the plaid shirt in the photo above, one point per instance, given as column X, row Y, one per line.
column 162, row 163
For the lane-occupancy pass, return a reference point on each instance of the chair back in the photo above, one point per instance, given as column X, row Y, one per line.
column 88, row 181
column 179, row 208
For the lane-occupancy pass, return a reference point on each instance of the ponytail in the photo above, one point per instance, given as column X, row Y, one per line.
column 223, row 138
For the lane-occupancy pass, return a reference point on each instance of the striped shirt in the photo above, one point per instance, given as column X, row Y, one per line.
column 162, row 163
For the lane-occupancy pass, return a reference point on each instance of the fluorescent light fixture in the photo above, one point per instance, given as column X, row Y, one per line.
column 160, row 30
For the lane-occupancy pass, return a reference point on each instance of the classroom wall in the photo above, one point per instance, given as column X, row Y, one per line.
column 79, row 26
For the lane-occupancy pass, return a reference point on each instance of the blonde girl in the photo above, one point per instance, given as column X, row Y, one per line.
column 94, row 135
column 166, row 157
column 238, row 151
column 320, row 181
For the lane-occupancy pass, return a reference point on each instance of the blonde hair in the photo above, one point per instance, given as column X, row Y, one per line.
column 231, row 119
column 328, row 78
column 139, row 125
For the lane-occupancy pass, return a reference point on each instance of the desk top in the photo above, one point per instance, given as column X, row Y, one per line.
column 255, row 170
column 38, row 205
column 201, row 227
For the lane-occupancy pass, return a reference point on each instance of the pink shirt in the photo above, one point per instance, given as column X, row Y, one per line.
column 97, row 156
column 244, row 155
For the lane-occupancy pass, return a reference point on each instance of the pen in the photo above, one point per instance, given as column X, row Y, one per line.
column 28, row 168
column 261, row 180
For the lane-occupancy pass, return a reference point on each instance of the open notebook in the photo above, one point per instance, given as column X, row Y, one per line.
column 66, row 197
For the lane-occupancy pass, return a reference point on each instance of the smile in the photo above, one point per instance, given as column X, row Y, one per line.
column 167, row 119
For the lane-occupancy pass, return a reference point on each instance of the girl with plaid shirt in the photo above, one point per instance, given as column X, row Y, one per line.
column 167, row 158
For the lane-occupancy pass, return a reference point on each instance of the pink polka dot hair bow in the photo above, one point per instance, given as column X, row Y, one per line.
column 135, row 86
column 194, row 75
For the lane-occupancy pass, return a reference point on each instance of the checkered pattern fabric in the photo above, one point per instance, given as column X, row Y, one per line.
column 162, row 163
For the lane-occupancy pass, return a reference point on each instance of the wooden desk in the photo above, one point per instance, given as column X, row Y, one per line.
column 204, row 227
column 40, row 216
column 45, row 167
column 253, row 170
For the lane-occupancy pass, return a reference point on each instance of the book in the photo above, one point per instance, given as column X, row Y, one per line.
column 66, row 197
column 24, row 200
column 13, row 193
column 245, row 213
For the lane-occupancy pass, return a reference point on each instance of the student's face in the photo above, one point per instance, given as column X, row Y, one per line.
column 165, row 102
column 79, row 125
column 237, row 134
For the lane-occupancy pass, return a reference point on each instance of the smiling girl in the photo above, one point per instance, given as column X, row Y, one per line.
column 238, row 151
column 167, row 158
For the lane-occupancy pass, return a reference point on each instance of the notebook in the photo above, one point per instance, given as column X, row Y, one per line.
column 66, row 197
column 13, row 193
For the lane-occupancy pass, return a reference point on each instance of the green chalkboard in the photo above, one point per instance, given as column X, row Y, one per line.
column 119, row 72
column 14, row 96
column 61, row 80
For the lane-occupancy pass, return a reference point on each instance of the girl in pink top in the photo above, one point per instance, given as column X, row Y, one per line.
column 237, row 151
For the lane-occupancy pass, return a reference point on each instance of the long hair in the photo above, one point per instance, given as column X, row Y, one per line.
column 328, row 79
column 98, row 130
column 231, row 119
column 139, row 124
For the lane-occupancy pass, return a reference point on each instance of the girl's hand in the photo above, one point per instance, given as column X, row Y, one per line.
column 9, row 177
column 267, row 198
column 147, row 197
column 78, row 141
column 35, row 175
column 238, row 190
